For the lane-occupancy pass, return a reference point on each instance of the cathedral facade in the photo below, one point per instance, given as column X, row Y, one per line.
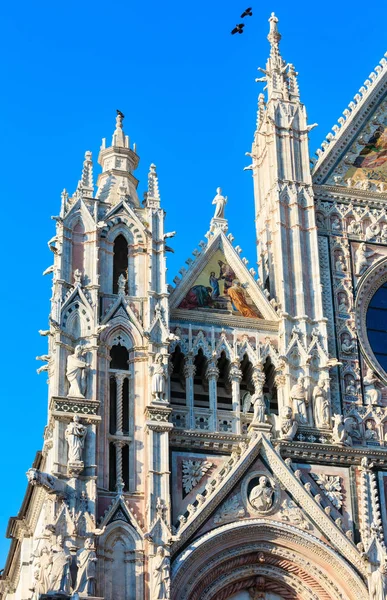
column 224, row 437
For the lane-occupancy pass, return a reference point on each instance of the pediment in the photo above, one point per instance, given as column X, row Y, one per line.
column 258, row 483
column 120, row 309
column 219, row 283
column 355, row 155
column 79, row 208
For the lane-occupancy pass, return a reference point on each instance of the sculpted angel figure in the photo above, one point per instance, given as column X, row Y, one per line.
column 159, row 378
column 75, row 435
column 161, row 576
column 60, row 577
column 298, row 398
column 86, row 563
column 220, row 202
column 76, row 373
column 261, row 496
column 43, row 572
column 321, row 404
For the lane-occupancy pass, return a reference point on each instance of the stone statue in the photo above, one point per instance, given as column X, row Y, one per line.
column 370, row 434
column 348, row 346
column 121, row 285
column 258, row 399
column 336, row 224
column 86, row 563
column 350, row 388
column 321, row 404
column 261, row 496
column 298, row 399
column 75, row 435
column 60, row 577
column 43, row 572
column 372, row 395
column 378, row 583
column 355, row 228
column 362, row 259
column 383, row 233
column 343, row 304
column 77, row 277
column 288, row 426
column 161, row 576
column 220, row 202
column 159, row 377
column 341, row 428
column 340, row 265
column 76, row 373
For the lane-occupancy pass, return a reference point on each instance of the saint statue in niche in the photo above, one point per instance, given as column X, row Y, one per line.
column 298, row 398
column 76, row 373
column 261, row 496
column 159, row 376
column 60, row 577
column 321, row 404
column 75, row 435
column 161, row 575
column 86, row 563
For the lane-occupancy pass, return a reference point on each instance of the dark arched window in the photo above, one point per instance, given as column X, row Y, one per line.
column 119, row 357
column 78, row 238
column 120, row 260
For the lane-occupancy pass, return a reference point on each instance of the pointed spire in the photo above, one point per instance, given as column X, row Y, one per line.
column 281, row 78
column 153, row 194
column 63, row 205
column 86, row 184
column 118, row 135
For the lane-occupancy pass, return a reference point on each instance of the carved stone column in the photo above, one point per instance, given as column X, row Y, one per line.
column 235, row 376
column 119, row 402
column 157, row 427
column 212, row 375
column 189, row 373
column 120, row 482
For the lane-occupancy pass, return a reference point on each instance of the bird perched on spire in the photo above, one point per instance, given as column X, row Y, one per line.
column 238, row 28
column 120, row 114
column 247, row 13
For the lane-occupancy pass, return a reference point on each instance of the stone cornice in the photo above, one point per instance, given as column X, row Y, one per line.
column 192, row 316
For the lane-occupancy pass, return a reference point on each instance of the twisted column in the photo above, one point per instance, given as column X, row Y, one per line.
column 120, row 481
column 119, row 403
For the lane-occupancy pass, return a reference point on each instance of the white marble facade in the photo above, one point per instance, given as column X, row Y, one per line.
column 223, row 437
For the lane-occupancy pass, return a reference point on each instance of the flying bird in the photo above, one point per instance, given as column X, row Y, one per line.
column 247, row 13
column 238, row 28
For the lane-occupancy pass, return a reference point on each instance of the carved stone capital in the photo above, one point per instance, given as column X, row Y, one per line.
column 212, row 371
column 235, row 373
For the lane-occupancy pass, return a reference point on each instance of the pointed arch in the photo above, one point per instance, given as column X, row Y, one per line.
column 120, row 565
column 77, row 248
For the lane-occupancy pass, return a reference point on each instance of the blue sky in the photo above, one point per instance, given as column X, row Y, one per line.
column 187, row 88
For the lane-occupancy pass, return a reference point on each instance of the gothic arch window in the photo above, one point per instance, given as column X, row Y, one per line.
column 78, row 251
column 178, row 393
column 224, row 389
column 120, row 260
column 119, row 357
column 201, row 390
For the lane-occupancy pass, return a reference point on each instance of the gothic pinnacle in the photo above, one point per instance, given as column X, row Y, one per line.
column 274, row 36
column 118, row 135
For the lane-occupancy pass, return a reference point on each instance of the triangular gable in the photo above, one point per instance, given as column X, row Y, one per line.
column 79, row 207
column 121, row 212
column 234, row 470
column 206, row 284
column 121, row 309
column 355, row 155
column 119, row 511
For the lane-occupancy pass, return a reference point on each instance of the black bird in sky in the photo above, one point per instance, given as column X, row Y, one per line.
column 247, row 13
column 238, row 28
column 120, row 113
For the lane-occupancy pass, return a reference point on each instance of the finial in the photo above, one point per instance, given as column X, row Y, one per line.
column 153, row 194
column 274, row 35
column 118, row 135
